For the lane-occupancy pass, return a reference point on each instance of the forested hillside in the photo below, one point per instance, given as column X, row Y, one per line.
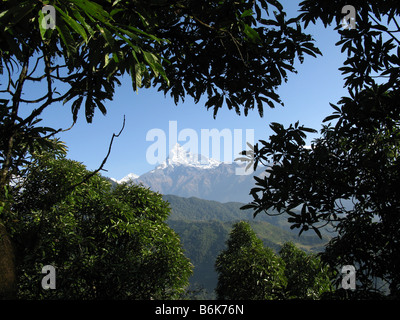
column 204, row 227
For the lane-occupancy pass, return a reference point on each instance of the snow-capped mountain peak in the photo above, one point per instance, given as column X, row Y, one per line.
column 187, row 174
column 178, row 155
column 127, row 178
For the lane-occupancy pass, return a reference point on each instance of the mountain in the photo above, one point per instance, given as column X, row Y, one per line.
column 129, row 177
column 185, row 174
column 199, row 210
column 205, row 196
column 178, row 156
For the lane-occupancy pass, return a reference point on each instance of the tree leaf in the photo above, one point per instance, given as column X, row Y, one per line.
column 72, row 23
column 331, row 117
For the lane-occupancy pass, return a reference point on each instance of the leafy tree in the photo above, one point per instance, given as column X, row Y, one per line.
column 104, row 243
column 306, row 277
column 248, row 270
column 349, row 176
column 234, row 52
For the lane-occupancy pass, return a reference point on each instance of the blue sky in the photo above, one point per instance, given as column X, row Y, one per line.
column 306, row 97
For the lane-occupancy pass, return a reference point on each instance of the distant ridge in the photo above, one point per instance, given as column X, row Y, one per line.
column 185, row 174
column 195, row 209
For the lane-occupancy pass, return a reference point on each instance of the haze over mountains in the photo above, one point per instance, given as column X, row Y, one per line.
column 205, row 196
column 191, row 175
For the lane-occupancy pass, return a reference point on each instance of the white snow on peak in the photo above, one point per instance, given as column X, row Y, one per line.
column 129, row 177
column 178, row 155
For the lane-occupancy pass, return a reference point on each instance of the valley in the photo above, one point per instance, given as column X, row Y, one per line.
column 204, row 226
column 205, row 197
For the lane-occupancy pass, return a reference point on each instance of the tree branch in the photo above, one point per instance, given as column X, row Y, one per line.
column 397, row 24
column 34, row 68
column 235, row 42
column 103, row 162
column 9, row 141
column 389, row 32
column 58, row 131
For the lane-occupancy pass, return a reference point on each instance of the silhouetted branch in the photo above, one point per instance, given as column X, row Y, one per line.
column 103, row 162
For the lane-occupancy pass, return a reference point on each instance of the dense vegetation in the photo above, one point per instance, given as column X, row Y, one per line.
column 234, row 53
column 307, row 276
column 109, row 241
column 204, row 227
column 355, row 159
column 247, row 270
column 225, row 51
column 196, row 209
column 104, row 242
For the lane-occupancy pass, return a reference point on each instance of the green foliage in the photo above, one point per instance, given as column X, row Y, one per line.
column 104, row 243
column 306, row 277
column 349, row 176
column 238, row 57
column 356, row 161
column 225, row 50
column 204, row 227
column 196, row 209
column 202, row 241
column 27, row 140
column 374, row 25
column 156, row 43
column 248, row 270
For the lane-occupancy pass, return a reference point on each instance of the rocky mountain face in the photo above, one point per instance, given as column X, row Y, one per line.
column 190, row 175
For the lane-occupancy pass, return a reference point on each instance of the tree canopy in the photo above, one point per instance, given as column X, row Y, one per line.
column 348, row 177
column 237, row 52
column 233, row 53
column 230, row 52
column 307, row 277
column 246, row 269
column 104, row 242
column 251, row 271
